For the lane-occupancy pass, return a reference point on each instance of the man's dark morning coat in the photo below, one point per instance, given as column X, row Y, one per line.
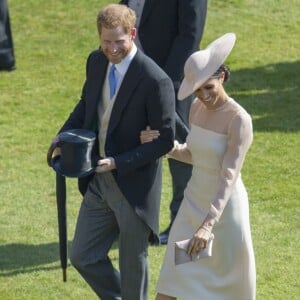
column 145, row 97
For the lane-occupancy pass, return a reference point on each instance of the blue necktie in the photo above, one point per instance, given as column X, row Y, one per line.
column 112, row 81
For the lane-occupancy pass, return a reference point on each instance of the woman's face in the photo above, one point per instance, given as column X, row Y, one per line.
column 210, row 92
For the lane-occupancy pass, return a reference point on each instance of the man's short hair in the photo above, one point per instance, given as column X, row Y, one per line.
column 114, row 15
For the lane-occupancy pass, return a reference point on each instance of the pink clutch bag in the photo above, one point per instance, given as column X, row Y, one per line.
column 181, row 255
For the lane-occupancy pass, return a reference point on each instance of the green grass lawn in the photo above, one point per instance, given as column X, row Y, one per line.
column 52, row 41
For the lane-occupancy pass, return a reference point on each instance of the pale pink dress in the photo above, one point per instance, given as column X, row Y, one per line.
column 216, row 146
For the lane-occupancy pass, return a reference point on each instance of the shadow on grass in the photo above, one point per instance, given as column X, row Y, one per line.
column 24, row 258
column 270, row 94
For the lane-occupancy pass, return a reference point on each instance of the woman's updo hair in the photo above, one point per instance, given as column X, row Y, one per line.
column 225, row 69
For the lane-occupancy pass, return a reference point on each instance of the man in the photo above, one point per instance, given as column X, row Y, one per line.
column 123, row 198
column 169, row 32
column 7, row 57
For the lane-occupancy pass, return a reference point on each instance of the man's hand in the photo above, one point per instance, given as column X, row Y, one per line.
column 105, row 165
column 56, row 151
column 53, row 150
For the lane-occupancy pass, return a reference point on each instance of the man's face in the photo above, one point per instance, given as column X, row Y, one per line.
column 116, row 44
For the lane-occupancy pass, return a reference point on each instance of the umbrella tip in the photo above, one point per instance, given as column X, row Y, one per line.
column 64, row 275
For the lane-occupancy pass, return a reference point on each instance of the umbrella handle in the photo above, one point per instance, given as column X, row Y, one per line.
column 51, row 149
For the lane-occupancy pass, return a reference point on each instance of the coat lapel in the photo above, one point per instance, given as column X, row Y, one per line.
column 96, row 76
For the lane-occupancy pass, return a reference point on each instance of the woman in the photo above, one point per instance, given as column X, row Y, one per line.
column 215, row 200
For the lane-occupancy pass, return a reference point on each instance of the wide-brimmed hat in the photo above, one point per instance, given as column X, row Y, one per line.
column 75, row 159
column 201, row 65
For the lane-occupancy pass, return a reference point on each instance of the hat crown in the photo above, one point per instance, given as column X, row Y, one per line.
column 195, row 62
column 201, row 65
column 75, row 158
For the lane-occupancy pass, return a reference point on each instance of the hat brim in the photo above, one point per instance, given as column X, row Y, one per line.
column 215, row 54
column 56, row 166
column 185, row 90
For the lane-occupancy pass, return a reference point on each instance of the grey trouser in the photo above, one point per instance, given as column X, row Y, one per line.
column 104, row 216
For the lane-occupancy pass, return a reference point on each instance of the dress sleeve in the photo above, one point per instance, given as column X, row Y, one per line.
column 239, row 140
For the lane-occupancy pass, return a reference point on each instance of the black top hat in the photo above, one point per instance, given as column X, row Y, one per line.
column 75, row 153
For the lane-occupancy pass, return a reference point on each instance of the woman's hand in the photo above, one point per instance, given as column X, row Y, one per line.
column 176, row 145
column 199, row 240
column 148, row 135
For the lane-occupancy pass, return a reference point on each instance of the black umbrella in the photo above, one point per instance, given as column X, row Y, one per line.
column 61, row 214
column 74, row 160
column 62, row 222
